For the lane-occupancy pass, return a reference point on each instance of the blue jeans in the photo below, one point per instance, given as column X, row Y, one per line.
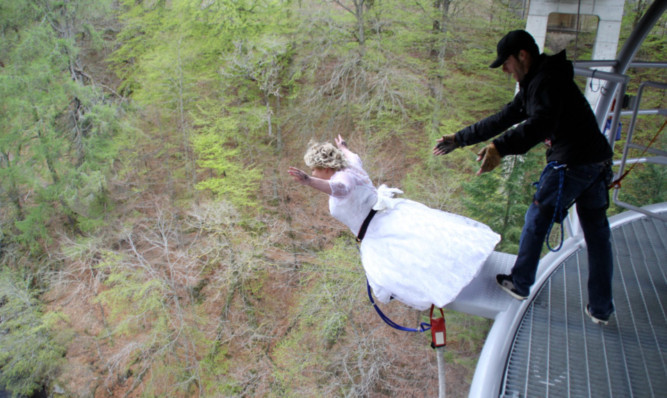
column 585, row 185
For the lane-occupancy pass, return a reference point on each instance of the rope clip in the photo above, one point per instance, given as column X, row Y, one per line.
column 438, row 329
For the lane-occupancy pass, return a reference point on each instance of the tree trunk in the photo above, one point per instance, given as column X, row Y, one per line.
column 12, row 190
column 359, row 8
column 440, row 27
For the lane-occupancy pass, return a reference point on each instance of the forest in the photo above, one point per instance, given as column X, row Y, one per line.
column 152, row 243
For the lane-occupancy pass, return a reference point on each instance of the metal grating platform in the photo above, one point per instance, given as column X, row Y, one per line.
column 558, row 352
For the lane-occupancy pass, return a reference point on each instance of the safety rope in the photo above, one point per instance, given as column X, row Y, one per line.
column 423, row 326
column 616, row 184
column 557, row 208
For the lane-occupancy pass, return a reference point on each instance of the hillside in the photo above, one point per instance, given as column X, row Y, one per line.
column 151, row 241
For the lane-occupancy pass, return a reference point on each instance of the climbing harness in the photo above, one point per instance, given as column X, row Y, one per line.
column 616, row 184
column 560, row 168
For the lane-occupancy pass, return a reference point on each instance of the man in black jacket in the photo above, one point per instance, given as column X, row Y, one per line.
column 549, row 108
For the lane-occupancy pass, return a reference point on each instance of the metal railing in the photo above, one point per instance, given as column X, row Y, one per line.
column 659, row 156
column 620, row 84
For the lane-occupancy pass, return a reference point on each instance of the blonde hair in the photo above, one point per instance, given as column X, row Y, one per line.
column 324, row 155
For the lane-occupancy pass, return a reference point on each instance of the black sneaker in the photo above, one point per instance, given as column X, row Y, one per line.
column 597, row 319
column 505, row 282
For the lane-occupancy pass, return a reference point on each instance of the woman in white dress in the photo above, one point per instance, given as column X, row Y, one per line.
column 410, row 252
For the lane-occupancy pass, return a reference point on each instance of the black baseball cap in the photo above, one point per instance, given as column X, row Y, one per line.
column 512, row 43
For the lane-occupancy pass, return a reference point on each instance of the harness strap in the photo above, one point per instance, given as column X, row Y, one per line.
column 561, row 180
column 364, row 225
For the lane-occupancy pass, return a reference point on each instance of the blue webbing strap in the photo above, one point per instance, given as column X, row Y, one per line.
column 561, row 179
column 422, row 326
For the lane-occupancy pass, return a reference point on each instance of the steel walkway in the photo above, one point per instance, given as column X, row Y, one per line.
column 546, row 346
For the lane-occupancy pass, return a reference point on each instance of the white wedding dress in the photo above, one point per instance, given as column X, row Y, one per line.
column 411, row 252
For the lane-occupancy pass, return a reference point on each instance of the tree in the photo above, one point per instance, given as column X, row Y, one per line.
column 218, row 145
column 263, row 65
column 31, row 347
column 177, row 58
column 645, row 183
column 500, row 199
column 52, row 115
column 369, row 77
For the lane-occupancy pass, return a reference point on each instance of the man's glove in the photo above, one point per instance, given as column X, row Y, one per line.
column 490, row 158
column 445, row 145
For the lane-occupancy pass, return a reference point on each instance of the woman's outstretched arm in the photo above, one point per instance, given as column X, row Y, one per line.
column 342, row 144
column 303, row 178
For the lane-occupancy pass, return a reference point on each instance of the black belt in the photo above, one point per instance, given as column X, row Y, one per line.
column 364, row 225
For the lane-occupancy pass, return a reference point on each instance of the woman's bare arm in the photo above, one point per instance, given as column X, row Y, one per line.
column 303, row 178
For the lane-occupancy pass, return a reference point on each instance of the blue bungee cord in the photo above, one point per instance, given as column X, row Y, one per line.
column 423, row 326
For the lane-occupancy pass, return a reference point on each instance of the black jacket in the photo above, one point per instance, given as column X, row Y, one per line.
column 551, row 107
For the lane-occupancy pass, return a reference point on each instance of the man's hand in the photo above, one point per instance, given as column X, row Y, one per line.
column 445, row 145
column 489, row 157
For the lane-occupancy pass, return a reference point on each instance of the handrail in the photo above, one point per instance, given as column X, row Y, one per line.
column 660, row 158
column 627, row 53
column 571, row 222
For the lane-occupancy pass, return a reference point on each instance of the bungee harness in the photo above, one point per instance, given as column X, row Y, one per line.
column 560, row 169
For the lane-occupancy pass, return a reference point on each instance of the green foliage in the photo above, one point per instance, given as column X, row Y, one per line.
column 645, row 185
column 32, row 232
column 58, row 132
column 328, row 305
column 465, row 337
column 501, row 198
column 170, row 46
column 132, row 293
column 178, row 58
column 437, row 181
column 364, row 79
column 217, row 145
column 292, row 362
column 32, row 347
column 159, row 311
column 257, row 73
column 223, row 92
column 323, row 315
column 645, row 182
column 141, row 303
column 484, row 198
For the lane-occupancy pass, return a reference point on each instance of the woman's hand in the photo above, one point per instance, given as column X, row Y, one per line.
column 340, row 142
column 300, row 176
